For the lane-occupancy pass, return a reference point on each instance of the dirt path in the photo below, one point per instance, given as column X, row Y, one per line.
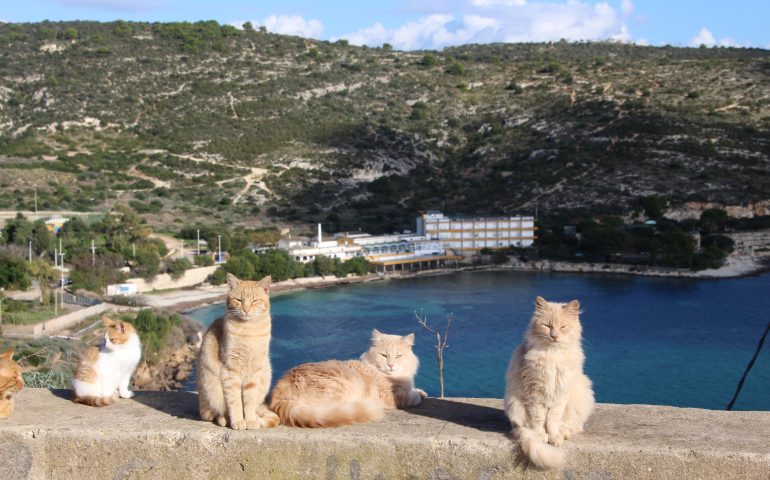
column 156, row 182
column 256, row 176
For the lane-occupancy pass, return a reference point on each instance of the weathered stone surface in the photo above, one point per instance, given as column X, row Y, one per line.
column 158, row 435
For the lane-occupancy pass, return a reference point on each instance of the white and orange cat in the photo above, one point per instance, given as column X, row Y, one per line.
column 233, row 369
column 334, row 393
column 548, row 398
column 105, row 371
column 11, row 382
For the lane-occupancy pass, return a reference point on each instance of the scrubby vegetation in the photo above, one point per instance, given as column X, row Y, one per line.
column 253, row 128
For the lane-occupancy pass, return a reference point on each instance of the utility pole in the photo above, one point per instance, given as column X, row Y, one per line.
column 133, row 250
column 219, row 242
column 93, row 255
column 30, row 251
column 198, row 247
column 61, row 279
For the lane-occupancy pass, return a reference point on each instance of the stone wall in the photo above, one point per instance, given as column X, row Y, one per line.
column 158, row 435
column 62, row 322
column 191, row 277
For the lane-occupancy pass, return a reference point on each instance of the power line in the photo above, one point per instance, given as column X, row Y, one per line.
column 748, row 368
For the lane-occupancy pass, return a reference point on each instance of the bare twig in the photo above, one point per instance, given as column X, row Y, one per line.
column 441, row 344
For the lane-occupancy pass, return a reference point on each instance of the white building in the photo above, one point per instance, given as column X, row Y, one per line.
column 394, row 247
column 470, row 234
column 306, row 251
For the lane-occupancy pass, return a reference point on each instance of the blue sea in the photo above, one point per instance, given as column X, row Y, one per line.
column 663, row 341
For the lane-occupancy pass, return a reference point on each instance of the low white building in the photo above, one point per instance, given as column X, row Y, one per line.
column 306, row 251
column 470, row 234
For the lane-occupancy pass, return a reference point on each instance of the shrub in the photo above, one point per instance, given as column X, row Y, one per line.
column 203, row 260
column 152, row 329
column 178, row 267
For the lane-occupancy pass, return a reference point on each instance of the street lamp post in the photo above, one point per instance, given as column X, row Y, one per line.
column 198, row 245
column 219, row 248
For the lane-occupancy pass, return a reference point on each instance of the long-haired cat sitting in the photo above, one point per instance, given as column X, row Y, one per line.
column 334, row 393
column 10, row 382
column 105, row 371
column 233, row 370
column 548, row 398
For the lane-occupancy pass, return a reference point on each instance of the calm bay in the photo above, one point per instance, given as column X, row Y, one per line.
column 665, row 341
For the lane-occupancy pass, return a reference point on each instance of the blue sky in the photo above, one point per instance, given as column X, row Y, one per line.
column 415, row 24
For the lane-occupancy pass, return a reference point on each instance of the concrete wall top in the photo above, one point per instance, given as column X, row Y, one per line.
column 158, row 435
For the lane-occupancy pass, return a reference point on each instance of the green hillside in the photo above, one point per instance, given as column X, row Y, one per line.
column 195, row 122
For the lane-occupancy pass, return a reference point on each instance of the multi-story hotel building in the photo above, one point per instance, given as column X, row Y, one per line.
column 469, row 234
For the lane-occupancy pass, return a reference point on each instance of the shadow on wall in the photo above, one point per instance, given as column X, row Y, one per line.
column 181, row 405
column 478, row 417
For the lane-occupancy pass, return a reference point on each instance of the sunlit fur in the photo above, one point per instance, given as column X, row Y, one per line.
column 334, row 393
column 11, row 383
column 548, row 398
column 105, row 371
column 233, row 368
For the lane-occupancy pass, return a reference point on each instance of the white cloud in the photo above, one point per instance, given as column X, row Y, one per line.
column 119, row 5
column 288, row 25
column 626, row 7
column 293, row 25
column 486, row 21
column 490, row 3
column 705, row 37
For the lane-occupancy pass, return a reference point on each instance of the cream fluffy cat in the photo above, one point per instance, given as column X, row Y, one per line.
column 334, row 393
column 234, row 370
column 548, row 398
column 104, row 372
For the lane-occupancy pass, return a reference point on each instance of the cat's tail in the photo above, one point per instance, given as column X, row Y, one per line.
column 333, row 414
column 94, row 401
column 540, row 453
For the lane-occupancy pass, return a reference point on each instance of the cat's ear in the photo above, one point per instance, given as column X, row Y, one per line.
column 264, row 284
column 121, row 326
column 408, row 339
column 232, row 281
column 376, row 336
column 7, row 354
column 540, row 303
column 572, row 307
column 108, row 321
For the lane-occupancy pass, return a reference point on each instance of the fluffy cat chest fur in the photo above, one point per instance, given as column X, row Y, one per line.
column 548, row 371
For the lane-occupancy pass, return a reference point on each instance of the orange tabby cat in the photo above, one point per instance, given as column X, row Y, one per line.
column 10, row 382
column 334, row 393
column 233, row 370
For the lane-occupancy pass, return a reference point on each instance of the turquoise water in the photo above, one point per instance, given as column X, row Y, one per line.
column 647, row 340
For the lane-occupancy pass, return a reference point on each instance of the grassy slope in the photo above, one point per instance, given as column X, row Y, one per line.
column 183, row 119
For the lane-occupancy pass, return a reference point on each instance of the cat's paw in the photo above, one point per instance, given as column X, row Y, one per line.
column 127, row 394
column 542, row 436
column 555, row 439
column 238, row 425
column 422, row 392
column 221, row 421
column 415, row 398
column 253, row 424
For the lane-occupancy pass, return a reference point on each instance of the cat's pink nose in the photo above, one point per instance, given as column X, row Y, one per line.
column 554, row 334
